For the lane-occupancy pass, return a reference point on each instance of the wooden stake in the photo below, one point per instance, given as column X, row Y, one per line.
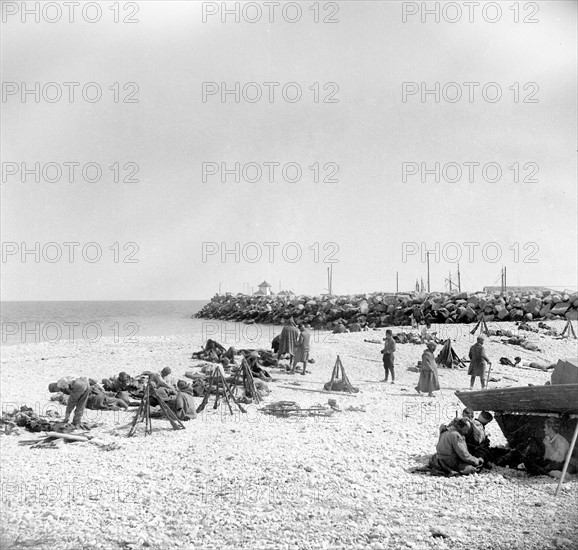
column 569, row 328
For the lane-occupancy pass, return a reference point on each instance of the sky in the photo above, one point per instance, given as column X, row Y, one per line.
column 166, row 235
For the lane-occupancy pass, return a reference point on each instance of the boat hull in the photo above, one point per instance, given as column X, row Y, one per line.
column 519, row 429
column 553, row 399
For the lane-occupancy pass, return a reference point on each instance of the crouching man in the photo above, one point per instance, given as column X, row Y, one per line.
column 184, row 403
column 452, row 457
column 78, row 391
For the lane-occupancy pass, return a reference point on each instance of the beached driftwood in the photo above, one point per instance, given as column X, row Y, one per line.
column 379, row 309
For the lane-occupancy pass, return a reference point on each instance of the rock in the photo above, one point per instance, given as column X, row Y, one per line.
column 380, row 309
column 561, row 542
column 560, row 308
column 436, row 532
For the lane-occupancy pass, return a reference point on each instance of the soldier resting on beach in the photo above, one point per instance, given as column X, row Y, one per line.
column 215, row 352
column 169, row 378
column 556, row 448
column 477, row 440
column 184, row 403
column 98, row 399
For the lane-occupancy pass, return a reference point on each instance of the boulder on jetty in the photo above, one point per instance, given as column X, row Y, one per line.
column 380, row 309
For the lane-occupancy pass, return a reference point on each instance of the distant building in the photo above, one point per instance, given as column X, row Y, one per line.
column 264, row 289
column 518, row 289
column 286, row 293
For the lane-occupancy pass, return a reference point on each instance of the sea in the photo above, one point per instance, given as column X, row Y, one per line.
column 123, row 321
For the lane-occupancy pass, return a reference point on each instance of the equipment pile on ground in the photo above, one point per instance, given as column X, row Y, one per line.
column 26, row 418
column 57, row 439
column 291, row 408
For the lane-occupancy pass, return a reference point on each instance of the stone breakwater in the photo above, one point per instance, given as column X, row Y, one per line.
column 382, row 309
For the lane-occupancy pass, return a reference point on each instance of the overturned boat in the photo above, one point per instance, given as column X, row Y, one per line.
column 521, row 411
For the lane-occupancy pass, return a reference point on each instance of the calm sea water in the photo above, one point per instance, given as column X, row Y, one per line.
column 31, row 322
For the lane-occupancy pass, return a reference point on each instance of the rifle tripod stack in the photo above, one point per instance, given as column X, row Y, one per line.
column 482, row 325
column 248, row 382
column 144, row 411
column 219, row 386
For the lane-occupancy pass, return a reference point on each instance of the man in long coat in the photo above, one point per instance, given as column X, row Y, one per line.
column 288, row 339
column 428, row 378
column 478, row 360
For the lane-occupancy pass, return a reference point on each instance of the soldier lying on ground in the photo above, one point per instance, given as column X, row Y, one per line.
column 215, row 352
column 97, row 398
column 124, row 386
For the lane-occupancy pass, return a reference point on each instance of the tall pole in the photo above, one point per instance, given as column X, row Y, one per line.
column 328, row 282
column 397, row 282
column 428, row 287
column 505, row 282
column 331, row 281
column 459, row 280
column 567, row 461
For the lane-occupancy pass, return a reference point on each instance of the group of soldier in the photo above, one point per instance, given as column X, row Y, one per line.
column 294, row 341
column 120, row 391
column 428, row 380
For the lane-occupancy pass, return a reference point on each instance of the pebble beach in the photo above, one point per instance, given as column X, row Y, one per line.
column 252, row 481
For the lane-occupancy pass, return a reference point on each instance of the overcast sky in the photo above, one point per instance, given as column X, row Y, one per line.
column 368, row 133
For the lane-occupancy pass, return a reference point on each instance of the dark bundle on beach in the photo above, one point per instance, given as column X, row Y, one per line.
column 447, row 357
column 27, row 418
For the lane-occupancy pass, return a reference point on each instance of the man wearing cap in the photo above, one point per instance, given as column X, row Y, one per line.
column 452, row 457
column 388, row 355
column 168, row 378
column 478, row 360
column 78, row 391
column 477, row 440
column 467, row 414
column 184, row 403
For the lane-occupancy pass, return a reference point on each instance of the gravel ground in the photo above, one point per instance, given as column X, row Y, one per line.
column 257, row 482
